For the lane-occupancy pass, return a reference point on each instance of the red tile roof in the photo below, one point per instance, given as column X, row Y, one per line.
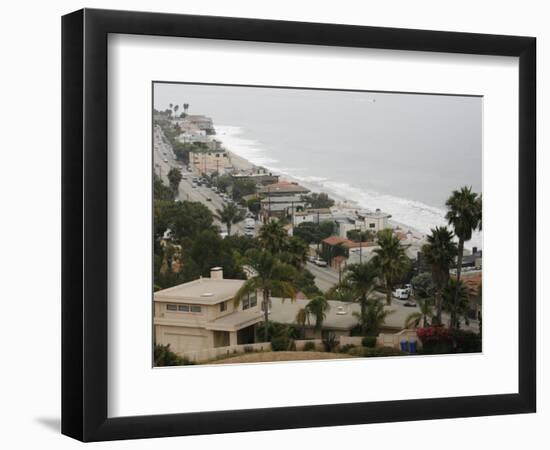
column 334, row 240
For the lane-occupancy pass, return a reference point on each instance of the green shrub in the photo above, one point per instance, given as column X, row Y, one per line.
column 466, row 341
column 330, row 343
column 281, row 343
column 166, row 357
column 309, row 346
column 347, row 348
column 369, row 341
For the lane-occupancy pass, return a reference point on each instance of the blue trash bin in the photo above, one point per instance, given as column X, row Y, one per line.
column 412, row 346
column 404, row 346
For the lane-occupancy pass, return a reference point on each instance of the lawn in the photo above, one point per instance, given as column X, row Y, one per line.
column 279, row 356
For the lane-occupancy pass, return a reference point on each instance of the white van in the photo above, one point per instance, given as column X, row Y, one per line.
column 401, row 294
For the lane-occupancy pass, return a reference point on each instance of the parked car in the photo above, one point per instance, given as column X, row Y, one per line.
column 320, row 262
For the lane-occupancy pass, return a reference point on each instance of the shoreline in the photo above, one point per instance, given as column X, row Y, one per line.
column 404, row 211
column 242, row 164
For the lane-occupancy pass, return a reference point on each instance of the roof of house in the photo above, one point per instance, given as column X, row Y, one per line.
column 283, row 187
column 285, row 311
column 235, row 321
column 204, row 291
column 353, row 244
column 374, row 214
column 334, row 240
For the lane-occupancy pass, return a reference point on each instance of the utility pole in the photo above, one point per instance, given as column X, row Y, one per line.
column 360, row 249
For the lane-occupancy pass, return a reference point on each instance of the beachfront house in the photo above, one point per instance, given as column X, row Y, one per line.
column 373, row 221
column 362, row 221
column 282, row 199
column 258, row 178
column 200, row 315
column 339, row 251
column 315, row 215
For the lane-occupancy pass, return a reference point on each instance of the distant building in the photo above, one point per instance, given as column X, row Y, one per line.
column 208, row 162
column 201, row 315
column 201, row 122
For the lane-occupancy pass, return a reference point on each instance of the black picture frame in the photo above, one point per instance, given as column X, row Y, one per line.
column 84, row 224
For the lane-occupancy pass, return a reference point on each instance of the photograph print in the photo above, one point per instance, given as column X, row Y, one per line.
column 296, row 224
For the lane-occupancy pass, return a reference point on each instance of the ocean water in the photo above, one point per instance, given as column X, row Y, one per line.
column 406, row 212
column 402, row 153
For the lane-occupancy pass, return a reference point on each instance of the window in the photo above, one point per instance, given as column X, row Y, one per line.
column 372, row 225
column 223, row 306
column 250, row 301
column 184, row 308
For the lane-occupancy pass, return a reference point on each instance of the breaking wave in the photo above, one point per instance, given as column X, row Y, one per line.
column 407, row 213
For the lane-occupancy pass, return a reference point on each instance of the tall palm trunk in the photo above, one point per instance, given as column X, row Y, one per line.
column 388, row 293
column 438, row 304
column 363, row 312
column 266, row 314
column 228, row 225
column 458, row 271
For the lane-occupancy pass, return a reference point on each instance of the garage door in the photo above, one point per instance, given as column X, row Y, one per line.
column 182, row 343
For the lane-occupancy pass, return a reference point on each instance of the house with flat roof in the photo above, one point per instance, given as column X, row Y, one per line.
column 283, row 188
column 201, row 315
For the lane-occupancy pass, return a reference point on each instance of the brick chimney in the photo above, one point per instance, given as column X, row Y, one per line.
column 216, row 273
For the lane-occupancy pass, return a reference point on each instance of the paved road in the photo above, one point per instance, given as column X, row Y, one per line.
column 325, row 278
column 164, row 159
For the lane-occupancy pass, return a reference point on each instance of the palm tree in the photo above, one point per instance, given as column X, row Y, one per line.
column 185, row 108
column 176, row 107
column 391, row 259
column 271, row 275
column 301, row 318
column 229, row 215
column 296, row 252
column 414, row 319
column 273, row 237
column 174, row 178
column 455, row 301
column 440, row 252
column 374, row 317
column 464, row 214
column 361, row 279
column 318, row 308
column 171, row 107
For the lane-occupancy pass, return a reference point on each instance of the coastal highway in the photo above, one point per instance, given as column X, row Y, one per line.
column 164, row 159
